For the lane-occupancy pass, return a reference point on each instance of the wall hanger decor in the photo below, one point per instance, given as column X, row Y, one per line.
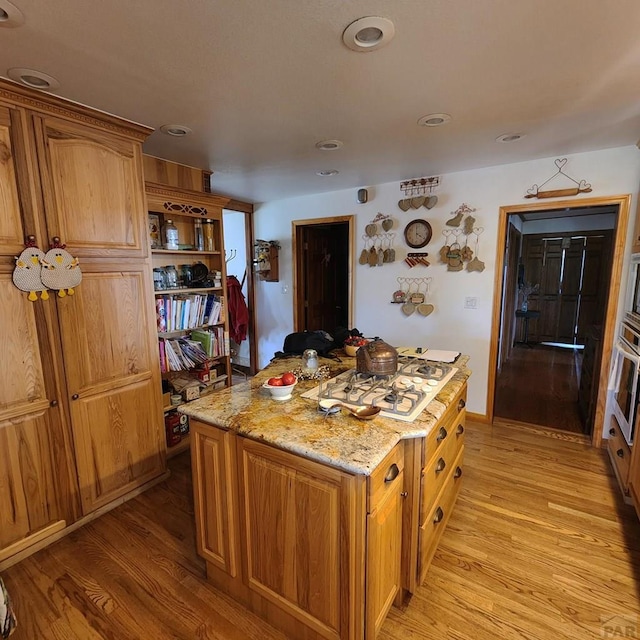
column 476, row 264
column 27, row 274
column 451, row 252
column 423, row 307
column 60, row 270
column 378, row 249
column 417, row 258
column 418, row 193
column 582, row 186
column 413, row 300
column 458, row 214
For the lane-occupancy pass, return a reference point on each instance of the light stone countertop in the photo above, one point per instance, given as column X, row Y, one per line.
column 296, row 425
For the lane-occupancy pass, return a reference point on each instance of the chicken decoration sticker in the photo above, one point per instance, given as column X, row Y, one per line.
column 60, row 270
column 26, row 275
column 36, row 271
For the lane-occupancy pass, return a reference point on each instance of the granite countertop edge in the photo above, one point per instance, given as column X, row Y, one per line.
column 341, row 441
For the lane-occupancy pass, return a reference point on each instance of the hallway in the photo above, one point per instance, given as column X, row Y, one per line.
column 539, row 386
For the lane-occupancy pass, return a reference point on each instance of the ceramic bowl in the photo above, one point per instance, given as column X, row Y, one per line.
column 350, row 349
column 280, row 393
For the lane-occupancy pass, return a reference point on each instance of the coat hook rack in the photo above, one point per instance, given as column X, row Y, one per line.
column 582, row 185
column 419, row 186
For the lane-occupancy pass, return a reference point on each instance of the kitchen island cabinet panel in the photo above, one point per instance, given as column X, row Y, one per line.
column 295, row 514
column 215, row 501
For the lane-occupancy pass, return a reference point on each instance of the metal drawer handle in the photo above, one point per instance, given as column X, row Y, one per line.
column 440, row 465
column 457, row 473
column 612, row 432
column 459, row 430
column 393, row 473
column 442, row 434
column 439, row 515
column 620, row 453
column 461, row 404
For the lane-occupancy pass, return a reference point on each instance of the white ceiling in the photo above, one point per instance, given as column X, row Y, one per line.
column 261, row 81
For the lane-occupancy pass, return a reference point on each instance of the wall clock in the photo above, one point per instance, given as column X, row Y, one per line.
column 417, row 233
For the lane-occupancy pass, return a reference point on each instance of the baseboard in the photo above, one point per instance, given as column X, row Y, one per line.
column 478, row 417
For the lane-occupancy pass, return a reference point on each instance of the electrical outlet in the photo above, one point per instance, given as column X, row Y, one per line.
column 471, row 303
column 284, row 289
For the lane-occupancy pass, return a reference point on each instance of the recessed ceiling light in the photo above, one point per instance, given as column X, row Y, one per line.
column 328, row 145
column 177, row 130
column 434, row 119
column 33, row 78
column 368, row 34
column 510, row 137
column 10, row 15
column 327, row 172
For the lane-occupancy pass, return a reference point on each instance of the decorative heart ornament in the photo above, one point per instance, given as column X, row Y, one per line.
column 431, row 202
column 425, row 309
column 417, row 202
column 387, row 224
column 405, row 204
column 408, row 308
column 584, row 186
column 560, row 162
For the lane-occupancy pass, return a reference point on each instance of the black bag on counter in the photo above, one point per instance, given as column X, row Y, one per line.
column 298, row 342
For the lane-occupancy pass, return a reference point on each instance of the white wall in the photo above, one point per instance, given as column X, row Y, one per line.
column 451, row 326
column 570, row 224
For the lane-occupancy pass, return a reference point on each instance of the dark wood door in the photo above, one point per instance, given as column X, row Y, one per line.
column 325, row 276
column 572, row 274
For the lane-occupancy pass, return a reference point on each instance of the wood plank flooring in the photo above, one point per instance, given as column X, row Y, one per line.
column 540, row 386
column 540, row 547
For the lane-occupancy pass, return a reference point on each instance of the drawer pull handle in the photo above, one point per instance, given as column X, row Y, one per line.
column 439, row 515
column 620, row 453
column 393, row 473
column 461, row 404
column 75, row 396
column 404, row 494
column 612, row 432
column 53, row 403
column 440, row 465
column 459, row 430
column 457, row 473
column 442, row 434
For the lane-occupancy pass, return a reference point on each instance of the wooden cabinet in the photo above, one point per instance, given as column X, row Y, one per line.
column 216, row 503
column 295, row 515
column 384, row 539
column 80, row 422
column 441, row 479
column 634, row 478
column 184, row 207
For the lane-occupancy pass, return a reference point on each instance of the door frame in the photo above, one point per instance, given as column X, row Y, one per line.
column 298, row 264
column 623, row 203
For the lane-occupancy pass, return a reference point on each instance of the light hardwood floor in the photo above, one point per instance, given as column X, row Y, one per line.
column 539, row 547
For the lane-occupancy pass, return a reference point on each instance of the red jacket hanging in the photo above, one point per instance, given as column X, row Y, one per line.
column 238, row 312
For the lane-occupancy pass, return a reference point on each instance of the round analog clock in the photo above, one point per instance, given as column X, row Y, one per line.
column 417, row 233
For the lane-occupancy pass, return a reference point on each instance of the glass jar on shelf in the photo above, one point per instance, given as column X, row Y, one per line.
column 171, row 275
column 170, row 236
column 198, row 235
column 209, row 243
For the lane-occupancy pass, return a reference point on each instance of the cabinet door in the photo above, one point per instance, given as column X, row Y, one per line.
column 214, row 489
column 384, row 549
column 302, row 538
column 93, row 189
column 113, row 381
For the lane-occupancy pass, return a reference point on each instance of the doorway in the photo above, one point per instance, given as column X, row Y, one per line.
column 545, row 372
column 322, row 279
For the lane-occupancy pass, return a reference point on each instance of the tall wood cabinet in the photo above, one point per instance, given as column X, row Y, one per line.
column 80, row 416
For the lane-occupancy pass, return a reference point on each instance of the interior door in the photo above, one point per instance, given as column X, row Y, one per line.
column 325, row 276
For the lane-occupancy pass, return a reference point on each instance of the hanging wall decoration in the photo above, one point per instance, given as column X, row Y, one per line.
column 458, row 215
column 27, row 272
column 418, row 193
column 582, row 186
column 60, row 270
column 476, row 264
column 413, row 300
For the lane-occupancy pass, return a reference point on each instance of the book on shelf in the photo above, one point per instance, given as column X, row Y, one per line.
column 181, row 354
column 180, row 312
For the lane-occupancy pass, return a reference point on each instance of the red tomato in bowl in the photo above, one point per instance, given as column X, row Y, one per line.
column 275, row 382
column 288, row 378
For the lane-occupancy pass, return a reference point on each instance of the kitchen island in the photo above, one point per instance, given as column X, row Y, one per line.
column 316, row 522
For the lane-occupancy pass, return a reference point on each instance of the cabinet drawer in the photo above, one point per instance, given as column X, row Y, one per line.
column 439, row 468
column 453, row 416
column 620, row 453
column 437, row 518
column 385, row 477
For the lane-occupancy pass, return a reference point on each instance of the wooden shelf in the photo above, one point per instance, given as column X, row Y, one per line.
column 192, row 252
column 177, row 332
column 163, row 292
column 183, row 445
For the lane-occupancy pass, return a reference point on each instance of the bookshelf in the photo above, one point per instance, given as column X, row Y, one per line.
column 197, row 306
